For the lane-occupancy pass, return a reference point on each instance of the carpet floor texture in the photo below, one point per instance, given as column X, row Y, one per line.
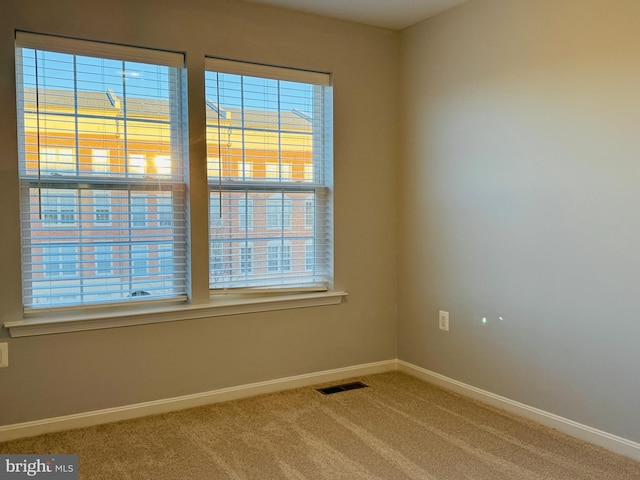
column 397, row 428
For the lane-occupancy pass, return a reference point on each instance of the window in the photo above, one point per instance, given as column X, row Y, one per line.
column 286, row 172
column 59, row 207
column 102, row 143
column 137, row 164
column 213, row 167
column 248, row 170
column 140, row 260
column 102, row 207
column 139, row 210
column 162, row 165
column 60, row 261
column 277, row 121
column 278, row 172
column 279, row 212
column 100, row 161
column 165, row 258
column 246, row 259
column 219, row 262
column 309, row 255
column 279, row 257
column 164, row 209
column 308, row 172
column 87, row 193
column 56, row 161
column 308, row 213
column 104, row 260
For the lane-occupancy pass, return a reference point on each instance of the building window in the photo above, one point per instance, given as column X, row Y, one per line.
column 165, row 258
column 218, row 262
column 246, row 259
column 137, row 164
column 59, row 207
column 213, row 167
column 102, row 207
column 139, row 210
column 278, row 172
column 104, row 260
column 100, row 161
column 60, row 261
column 140, row 260
column 162, row 165
column 57, row 161
column 279, row 211
column 279, row 257
column 271, row 171
column 309, row 213
column 309, row 255
column 247, row 170
column 94, row 218
column 286, row 174
column 308, row 172
column 164, row 210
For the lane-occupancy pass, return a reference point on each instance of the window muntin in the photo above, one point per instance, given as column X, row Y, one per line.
column 245, row 213
column 269, row 156
column 102, row 141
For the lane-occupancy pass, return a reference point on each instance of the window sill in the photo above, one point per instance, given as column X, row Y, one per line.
column 236, row 306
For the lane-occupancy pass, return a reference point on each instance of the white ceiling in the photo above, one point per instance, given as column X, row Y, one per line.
column 394, row 14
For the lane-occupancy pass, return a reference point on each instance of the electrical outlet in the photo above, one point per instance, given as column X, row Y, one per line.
column 4, row 355
column 443, row 320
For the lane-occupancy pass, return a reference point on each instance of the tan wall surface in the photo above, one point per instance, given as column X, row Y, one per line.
column 70, row 373
column 519, row 199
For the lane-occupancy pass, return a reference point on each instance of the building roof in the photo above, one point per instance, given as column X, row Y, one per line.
column 50, row 100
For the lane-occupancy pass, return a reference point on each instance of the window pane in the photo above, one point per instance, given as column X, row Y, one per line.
column 102, row 144
column 265, row 143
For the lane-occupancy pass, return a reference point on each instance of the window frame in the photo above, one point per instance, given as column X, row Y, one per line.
column 57, row 320
column 87, row 173
column 293, row 151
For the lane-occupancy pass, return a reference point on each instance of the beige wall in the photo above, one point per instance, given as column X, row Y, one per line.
column 69, row 373
column 517, row 198
column 520, row 194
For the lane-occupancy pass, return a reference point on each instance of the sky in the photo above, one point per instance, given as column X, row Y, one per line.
column 63, row 71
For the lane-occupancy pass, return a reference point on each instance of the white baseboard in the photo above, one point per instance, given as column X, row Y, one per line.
column 592, row 435
column 583, row 432
column 87, row 419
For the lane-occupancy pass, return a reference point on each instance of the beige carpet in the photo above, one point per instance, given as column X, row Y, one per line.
column 399, row 428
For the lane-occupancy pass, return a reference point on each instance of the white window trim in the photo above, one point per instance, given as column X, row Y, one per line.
column 69, row 321
column 82, row 318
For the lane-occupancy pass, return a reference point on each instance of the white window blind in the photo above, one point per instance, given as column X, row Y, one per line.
column 102, row 148
column 269, row 151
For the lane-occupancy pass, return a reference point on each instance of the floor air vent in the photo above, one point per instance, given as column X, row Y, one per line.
column 342, row 388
